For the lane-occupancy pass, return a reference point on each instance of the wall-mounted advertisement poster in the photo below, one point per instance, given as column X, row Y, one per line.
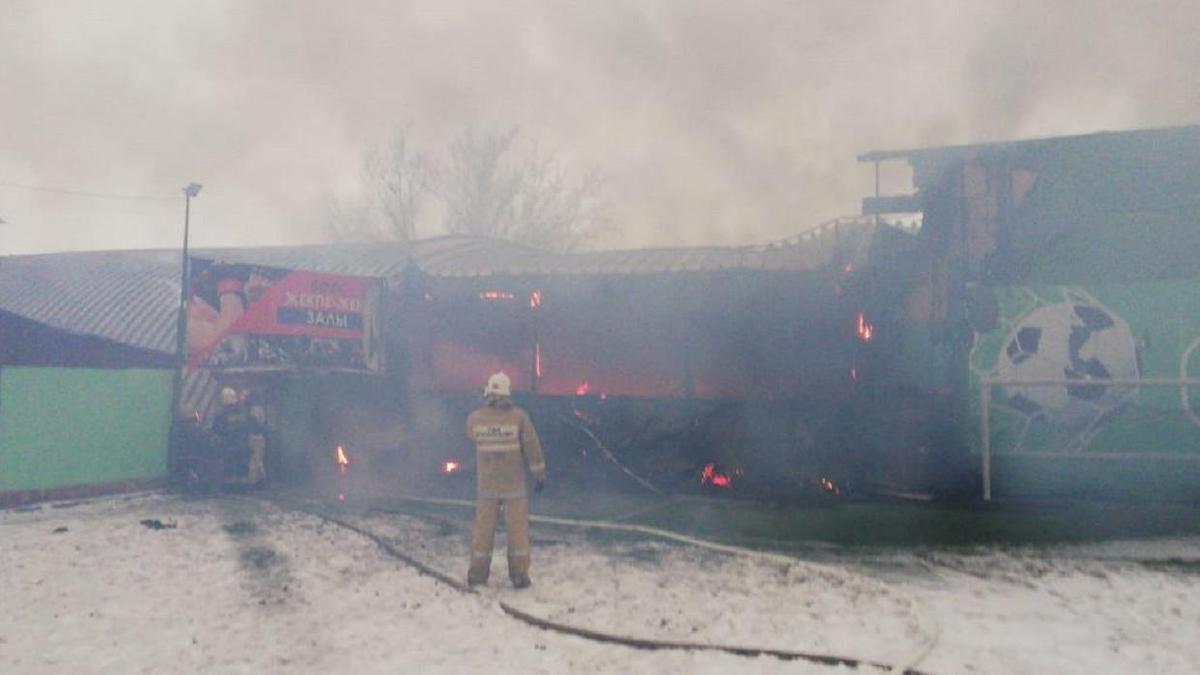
column 255, row 318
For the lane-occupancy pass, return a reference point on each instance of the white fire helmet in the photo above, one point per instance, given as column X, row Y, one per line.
column 498, row 385
column 229, row 396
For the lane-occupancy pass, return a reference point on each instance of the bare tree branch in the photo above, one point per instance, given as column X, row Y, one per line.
column 490, row 186
column 397, row 180
column 347, row 217
column 480, row 183
column 494, row 187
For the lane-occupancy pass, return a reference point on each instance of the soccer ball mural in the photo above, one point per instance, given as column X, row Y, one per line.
column 1113, row 355
column 1083, row 342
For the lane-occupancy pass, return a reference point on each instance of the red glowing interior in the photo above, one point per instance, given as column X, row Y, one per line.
column 710, row 476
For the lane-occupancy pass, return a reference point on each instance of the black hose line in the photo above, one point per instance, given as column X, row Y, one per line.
column 577, row 631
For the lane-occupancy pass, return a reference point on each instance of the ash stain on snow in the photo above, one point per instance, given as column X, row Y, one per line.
column 260, row 557
column 267, row 573
column 156, row 524
column 240, row 528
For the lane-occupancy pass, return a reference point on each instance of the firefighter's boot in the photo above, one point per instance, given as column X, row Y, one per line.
column 483, row 538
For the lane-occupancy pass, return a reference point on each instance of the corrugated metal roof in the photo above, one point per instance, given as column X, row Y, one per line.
column 848, row 240
column 128, row 298
column 131, row 296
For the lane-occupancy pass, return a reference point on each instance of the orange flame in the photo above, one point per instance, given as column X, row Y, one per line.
column 450, row 466
column 709, row 476
column 342, row 460
column 583, row 388
column 535, row 299
column 829, row 487
column 865, row 328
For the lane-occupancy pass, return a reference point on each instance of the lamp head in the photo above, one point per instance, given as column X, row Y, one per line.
column 192, row 189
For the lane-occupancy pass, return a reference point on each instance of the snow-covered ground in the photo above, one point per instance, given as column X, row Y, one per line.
column 240, row 585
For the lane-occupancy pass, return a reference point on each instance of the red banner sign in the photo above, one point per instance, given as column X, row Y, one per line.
column 252, row 317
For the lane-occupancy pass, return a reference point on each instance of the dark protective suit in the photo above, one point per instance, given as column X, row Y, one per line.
column 200, row 466
column 232, row 428
column 505, row 442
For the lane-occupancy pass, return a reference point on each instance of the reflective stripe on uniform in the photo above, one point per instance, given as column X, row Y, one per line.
column 541, row 466
column 495, row 432
column 519, row 554
column 498, row 447
column 504, row 495
column 480, row 555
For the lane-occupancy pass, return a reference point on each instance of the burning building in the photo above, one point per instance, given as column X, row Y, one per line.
column 859, row 356
column 775, row 325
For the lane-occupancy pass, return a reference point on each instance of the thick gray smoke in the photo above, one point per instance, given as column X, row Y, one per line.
column 715, row 123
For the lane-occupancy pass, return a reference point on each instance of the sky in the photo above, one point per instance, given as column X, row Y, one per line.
column 715, row 123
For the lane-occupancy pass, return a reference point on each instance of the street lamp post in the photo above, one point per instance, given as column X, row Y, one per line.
column 190, row 191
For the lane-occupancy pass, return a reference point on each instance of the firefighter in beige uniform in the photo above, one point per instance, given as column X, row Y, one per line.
column 505, row 441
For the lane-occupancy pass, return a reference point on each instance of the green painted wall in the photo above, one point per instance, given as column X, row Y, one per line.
column 72, row 426
column 1118, row 209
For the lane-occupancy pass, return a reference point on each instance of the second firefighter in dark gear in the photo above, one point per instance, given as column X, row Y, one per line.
column 505, row 442
column 232, row 430
column 199, row 464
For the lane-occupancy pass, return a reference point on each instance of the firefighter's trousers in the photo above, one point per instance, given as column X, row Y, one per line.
column 483, row 539
column 257, row 470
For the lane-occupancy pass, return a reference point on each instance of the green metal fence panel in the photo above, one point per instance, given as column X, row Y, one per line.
column 72, row 426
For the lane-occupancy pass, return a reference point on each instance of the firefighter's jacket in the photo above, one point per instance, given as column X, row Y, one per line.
column 505, row 441
column 231, row 429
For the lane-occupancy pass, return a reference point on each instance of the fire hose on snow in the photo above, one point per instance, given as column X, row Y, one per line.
column 608, row 454
column 906, row 665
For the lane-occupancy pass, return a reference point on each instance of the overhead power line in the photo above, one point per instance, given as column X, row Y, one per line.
column 86, row 193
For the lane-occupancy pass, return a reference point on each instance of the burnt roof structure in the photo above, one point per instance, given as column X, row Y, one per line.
column 131, row 297
column 1052, row 143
